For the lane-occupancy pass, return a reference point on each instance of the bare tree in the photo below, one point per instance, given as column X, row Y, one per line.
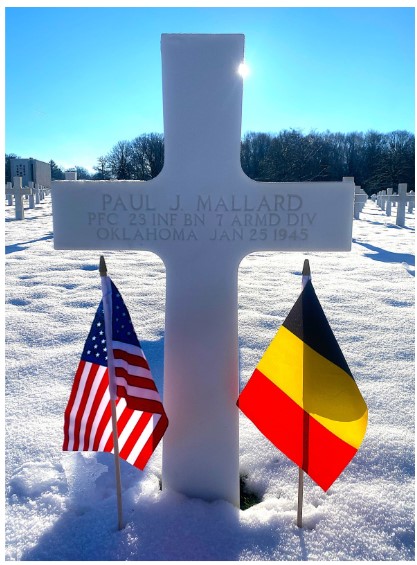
column 398, row 164
column 103, row 171
column 253, row 153
column 82, row 173
column 119, row 160
column 147, row 155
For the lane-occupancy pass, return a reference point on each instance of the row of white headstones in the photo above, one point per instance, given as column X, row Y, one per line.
column 34, row 192
column 359, row 202
column 386, row 200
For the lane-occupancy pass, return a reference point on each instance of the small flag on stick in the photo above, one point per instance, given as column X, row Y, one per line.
column 113, row 370
column 302, row 395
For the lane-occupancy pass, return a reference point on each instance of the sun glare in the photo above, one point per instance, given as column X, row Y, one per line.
column 243, row 70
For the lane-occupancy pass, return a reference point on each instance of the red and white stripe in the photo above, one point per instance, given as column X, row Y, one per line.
column 141, row 419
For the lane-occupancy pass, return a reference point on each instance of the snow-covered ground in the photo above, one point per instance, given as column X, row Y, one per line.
column 62, row 506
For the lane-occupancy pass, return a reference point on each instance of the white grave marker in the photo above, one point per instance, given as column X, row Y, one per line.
column 32, row 195
column 202, row 215
column 411, row 200
column 401, row 201
column 9, row 194
column 18, row 192
column 360, row 199
column 383, row 199
column 37, row 195
column 389, row 200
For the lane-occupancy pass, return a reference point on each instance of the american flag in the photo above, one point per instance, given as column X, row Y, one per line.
column 141, row 419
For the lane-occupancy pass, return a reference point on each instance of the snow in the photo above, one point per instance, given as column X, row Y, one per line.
column 62, row 506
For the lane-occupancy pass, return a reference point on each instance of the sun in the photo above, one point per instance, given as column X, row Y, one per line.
column 243, row 70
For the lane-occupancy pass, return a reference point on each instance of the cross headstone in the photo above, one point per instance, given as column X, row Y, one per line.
column 389, row 200
column 9, row 194
column 202, row 215
column 32, row 195
column 383, row 199
column 18, row 192
column 360, row 199
column 37, row 194
column 401, row 201
column 411, row 201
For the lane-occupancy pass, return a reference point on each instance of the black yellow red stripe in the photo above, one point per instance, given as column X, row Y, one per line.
column 323, row 389
column 308, row 322
column 291, row 429
column 303, row 397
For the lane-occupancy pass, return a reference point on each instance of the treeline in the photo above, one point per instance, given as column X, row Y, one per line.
column 139, row 159
column 376, row 160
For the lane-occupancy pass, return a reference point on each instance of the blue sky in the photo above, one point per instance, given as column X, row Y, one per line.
column 78, row 80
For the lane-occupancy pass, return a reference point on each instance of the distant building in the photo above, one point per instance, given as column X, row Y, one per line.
column 31, row 170
column 71, row 174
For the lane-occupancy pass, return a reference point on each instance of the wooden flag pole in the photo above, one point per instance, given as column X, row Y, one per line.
column 110, row 368
column 306, row 276
column 300, row 497
column 117, row 466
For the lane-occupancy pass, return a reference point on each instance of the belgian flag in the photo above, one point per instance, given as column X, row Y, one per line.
column 303, row 397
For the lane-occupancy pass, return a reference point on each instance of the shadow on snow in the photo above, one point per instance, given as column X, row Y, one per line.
column 24, row 245
column 385, row 256
column 157, row 528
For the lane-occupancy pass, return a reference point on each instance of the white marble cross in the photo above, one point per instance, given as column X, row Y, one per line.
column 388, row 202
column 9, row 193
column 18, row 192
column 401, row 202
column 360, row 200
column 202, row 215
column 411, row 201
